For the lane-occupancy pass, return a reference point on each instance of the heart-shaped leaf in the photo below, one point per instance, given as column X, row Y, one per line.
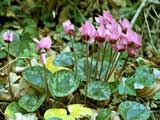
column 127, row 86
column 144, row 76
column 63, row 59
column 63, row 83
column 35, row 77
column 98, row 90
column 32, row 101
column 75, row 111
column 133, row 111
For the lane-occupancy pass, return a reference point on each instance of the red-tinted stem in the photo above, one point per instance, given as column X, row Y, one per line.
column 104, row 53
column 9, row 82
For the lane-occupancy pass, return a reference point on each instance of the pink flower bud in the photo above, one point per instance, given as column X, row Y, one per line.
column 8, row 36
column 105, row 19
column 68, row 27
column 100, row 20
column 125, row 24
column 44, row 43
column 134, row 39
column 87, row 32
column 43, row 58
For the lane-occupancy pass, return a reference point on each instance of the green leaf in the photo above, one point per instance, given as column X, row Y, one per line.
column 57, row 114
column 35, row 77
column 79, row 111
column 13, row 108
column 32, row 101
column 157, row 96
column 104, row 114
column 63, row 83
column 54, row 113
column 144, row 76
column 133, row 111
column 127, row 87
column 98, row 90
column 75, row 111
column 64, row 59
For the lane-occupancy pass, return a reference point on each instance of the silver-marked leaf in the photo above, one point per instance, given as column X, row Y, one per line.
column 133, row 111
column 32, row 101
column 35, row 77
column 63, row 83
column 64, row 59
column 98, row 90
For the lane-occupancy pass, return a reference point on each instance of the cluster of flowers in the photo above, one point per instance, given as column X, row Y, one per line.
column 119, row 34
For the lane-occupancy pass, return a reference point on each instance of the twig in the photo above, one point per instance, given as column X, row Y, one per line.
column 155, row 2
column 13, row 62
column 138, row 12
column 150, row 36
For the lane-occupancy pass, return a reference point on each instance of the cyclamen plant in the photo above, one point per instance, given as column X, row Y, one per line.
column 117, row 35
column 8, row 37
column 42, row 47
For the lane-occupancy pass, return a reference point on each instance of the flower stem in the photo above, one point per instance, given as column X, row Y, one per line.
column 110, row 61
column 116, row 59
column 87, row 77
column 10, row 88
column 96, row 70
column 104, row 53
column 122, row 69
column 92, row 57
column 113, row 57
column 45, row 80
column 75, row 58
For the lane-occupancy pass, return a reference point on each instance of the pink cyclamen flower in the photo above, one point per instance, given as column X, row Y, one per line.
column 134, row 39
column 8, row 36
column 120, row 44
column 100, row 34
column 115, row 31
column 68, row 27
column 43, row 58
column 87, row 32
column 105, row 19
column 125, row 24
column 107, row 16
column 44, row 43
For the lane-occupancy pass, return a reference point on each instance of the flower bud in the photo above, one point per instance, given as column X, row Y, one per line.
column 8, row 36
